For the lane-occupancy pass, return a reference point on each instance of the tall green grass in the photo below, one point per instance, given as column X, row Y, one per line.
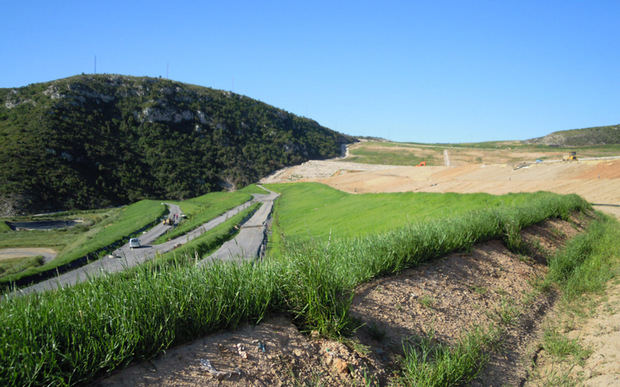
column 427, row 363
column 202, row 209
column 584, row 265
column 589, row 260
column 74, row 334
column 312, row 211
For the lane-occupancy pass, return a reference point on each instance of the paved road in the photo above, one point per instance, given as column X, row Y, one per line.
column 251, row 239
column 132, row 257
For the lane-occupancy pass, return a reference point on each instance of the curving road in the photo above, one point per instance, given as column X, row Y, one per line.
column 251, row 239
column 131, row 257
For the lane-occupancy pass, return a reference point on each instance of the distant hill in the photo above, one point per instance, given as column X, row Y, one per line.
column 599, row 135
column 99, row 140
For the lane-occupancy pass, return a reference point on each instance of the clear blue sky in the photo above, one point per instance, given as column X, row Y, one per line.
column 410, row 71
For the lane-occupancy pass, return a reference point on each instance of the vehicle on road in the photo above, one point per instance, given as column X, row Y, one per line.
column 134, row 243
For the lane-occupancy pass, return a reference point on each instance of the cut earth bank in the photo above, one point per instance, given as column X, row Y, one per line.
column 443, row 300
column 597, row 181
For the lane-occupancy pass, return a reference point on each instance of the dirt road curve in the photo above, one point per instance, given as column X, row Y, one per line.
column 250, row 240
column 131, row 257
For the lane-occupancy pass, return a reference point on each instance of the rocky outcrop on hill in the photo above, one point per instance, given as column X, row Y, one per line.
column 99, row 140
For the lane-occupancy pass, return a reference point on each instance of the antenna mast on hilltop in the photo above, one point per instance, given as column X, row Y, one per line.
column 95, row 64
column 167, row 66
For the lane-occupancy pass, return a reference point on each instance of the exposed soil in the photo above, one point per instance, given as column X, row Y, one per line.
column 462, row 155
column 599, row 333
column 447, row 297
column 21, row 252
column 597, row 180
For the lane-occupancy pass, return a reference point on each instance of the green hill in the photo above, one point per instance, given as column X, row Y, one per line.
column 98, row 140
column 600, row 135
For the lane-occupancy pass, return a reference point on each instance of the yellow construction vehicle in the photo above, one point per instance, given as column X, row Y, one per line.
column 572, row 156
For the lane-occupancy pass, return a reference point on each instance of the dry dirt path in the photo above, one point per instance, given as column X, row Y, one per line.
column 22, row 252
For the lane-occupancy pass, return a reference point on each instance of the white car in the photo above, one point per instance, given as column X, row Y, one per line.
column 134, row 243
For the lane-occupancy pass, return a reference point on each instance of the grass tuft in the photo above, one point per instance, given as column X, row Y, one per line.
column 430, row 363
column 562, row 347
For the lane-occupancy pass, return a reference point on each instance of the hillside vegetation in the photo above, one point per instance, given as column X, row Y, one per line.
column 599, row 135
column 99, row 140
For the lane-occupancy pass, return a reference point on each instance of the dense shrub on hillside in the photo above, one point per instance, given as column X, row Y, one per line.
column 599, row 135
column 97, row 140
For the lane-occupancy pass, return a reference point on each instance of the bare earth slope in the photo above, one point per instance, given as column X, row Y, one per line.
column 598, row 181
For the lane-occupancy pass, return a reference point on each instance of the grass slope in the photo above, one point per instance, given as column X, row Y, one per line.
column 203, row 208
column 113, row 230
column 208, row 242
column 17, row 265
column 385, row 154
column 75, row 334
column 308, row 211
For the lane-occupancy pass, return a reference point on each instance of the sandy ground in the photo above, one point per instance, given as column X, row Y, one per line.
column 447, row 296
column 598, row 333
column 459, row 156
column 19, row 252
column 598, row 181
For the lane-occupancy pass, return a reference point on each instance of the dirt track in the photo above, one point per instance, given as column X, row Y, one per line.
column 18, row 252
column 598, row 181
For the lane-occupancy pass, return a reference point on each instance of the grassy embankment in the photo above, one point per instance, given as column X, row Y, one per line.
column 584, row 266
column 208, row 242
column 201, row 209
column 582, row 272
column 384, row 153
column 312, row 211
column 19, row 264
column 77, row 333
column 4, row 227
column 253, row 189
column 79, row 241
